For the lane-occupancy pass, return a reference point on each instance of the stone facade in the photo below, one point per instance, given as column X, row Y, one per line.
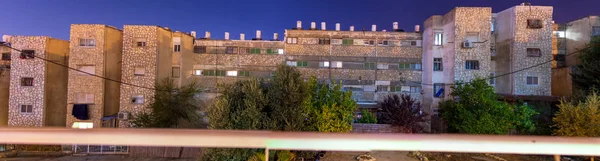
column 105, row 57
column 48, row 90
column 4, row 81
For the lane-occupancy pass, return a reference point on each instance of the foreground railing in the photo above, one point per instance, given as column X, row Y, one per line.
column 306, row 141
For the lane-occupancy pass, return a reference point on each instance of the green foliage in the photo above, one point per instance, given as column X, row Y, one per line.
column 402, row 111
column 581, row 119
column 286, row 93
column 228, row 154
column 585, row 75
column 367, row 117
column 284, row 155
column 329, row 109
column 477, row 111
column 241, row 106
column 171, row 107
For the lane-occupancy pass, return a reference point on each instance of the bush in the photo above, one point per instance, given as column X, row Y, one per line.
column 581, row 119
column 367, row 117
column 402, row 111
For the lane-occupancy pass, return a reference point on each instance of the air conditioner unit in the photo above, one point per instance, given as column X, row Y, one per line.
column 467, row 44
column 123, row 115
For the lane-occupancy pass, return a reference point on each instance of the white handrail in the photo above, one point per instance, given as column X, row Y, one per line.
column 306, row 140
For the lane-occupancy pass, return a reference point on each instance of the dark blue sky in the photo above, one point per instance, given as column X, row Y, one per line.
column 53, row 17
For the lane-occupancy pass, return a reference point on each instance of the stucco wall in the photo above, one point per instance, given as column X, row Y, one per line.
column 578, row 34
column 114, row 49
column 55, row 89
column 4, row 89
column 561, row 82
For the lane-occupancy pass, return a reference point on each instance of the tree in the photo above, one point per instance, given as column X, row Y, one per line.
column 329, row 109
column 287, row 92
column 367, row 117
column 582, row 119
column 402, row 111
column 476, row 110
column 171, row 107
column 585, row 75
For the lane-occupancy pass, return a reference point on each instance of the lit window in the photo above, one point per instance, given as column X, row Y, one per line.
column 87, row 42
column 137, row 99
column 336, row 64
column 280, row 51
column 82, row 125
column 139, row 71
column 415, row 66
column 437, row 64
column 84, row 98
column 438, row 38
column 292, row 40
column 336, row 41
column 472, row 37
column 291, row 63
column 532, row 80
column 324, row 64
column 559, row 34
column 85, row 69
column 383, row 66
column 197, row 72
column 26, row 109
column 472, row 64
column 232, row 73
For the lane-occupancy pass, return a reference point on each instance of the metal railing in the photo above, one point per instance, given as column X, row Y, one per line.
column 543, row 145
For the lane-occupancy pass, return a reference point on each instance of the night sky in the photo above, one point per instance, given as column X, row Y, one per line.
column 53, row 17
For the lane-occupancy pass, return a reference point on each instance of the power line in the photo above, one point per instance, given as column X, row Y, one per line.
column 66, row 66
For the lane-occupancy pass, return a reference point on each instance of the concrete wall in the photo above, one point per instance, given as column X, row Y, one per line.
column 114, row 49
column 561, row 82
column 4, row 89
column 578, row 34
column 430, row 51
column 505, row 22
column 55, row 89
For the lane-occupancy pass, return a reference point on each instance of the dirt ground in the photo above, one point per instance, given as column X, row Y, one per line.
column 380, row 156
column 91, row 158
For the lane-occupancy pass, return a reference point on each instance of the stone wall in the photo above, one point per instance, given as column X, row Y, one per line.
column 470, row 20
column 375, row 128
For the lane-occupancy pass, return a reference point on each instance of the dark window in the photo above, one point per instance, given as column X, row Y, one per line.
column 244, row 73
column 5, row 56
column 141, row 43
column 176, row 48
column 302, row 63
column 438, row 90
column 415, row 89
column 437, row 64
column 255, row 51
column 370, row 65
column 26, row 81
column 385, row 43
column 535, row 23
column 26, row 108
column 472, row 64
column 532, row 80
column 199, row 49
column 175, row 72
column 231, row 50
column 347, row 41
column 292, row 40
column 413, row 43
column 28, row 54
column 214, row 73
column 534, row 52
column 382, row 88
column 396, row 89
column 492, row 79
column 324, row 41
column 271, row 51
column 404, row 66
column 87, row 42
column 415, row 66
column 595, row 30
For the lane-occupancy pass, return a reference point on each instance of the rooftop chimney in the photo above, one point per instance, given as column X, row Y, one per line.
column 298, row 24
column 275, row 36
column 337, row 26
column 193, row 33
column 226, row 35
column 384, row 30
column 351, row 28
column 242, row 36
column 207, row 35
column 258, row 37
column 6, row 38
column 395, row 26
column 313, row 26
column 417, row 27
column 373, row 27
column 323, row 26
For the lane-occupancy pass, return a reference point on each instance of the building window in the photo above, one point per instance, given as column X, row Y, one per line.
column 5, row 56
column 232, row 73
column 137, row 99
column 415, row 66
column 176, row 48
column 302, row 63
column 532, row 80
column 437, row 64
column 324, row 64
column 408, row 43
column 280, row 51
column 84, row 98
column 595, row 30
column 291, row 63
column 26, row 109
column 383, row 88
column 493, row 25
column 384, row 43
column 336, row 41
column 336, row 64
column 383, row 66
column 255, row 51
column 472, row 64
column 348, row 42
column 200, row 49
column 292, row 40
column 82, row 125
column 197, row 72
column 272, row 51
column 215, row 73
column 27, row 81
column 87, row 42
column 534, row 52
column 404, row 66
column 86, row 69
column 438, row 90
column 369, row 42
column 472, row 37
column 231, row 50
column 492, row 78
column 535, row 23
column 370, row 65
column 175, row 72
column 139, row 72
column 27, row 54
column 559, row 34
column 415, row 89
column 324, row 41
column 140, row 42
column 244, row 73
column 438, row 35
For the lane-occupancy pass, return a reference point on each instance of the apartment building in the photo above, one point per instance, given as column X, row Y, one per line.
column 373, row 63
column 4, row 80
column 38, row 88
column 215, row 62
column 150, row 55
column 577, row 34
column 471, row 42
column 94, row 49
